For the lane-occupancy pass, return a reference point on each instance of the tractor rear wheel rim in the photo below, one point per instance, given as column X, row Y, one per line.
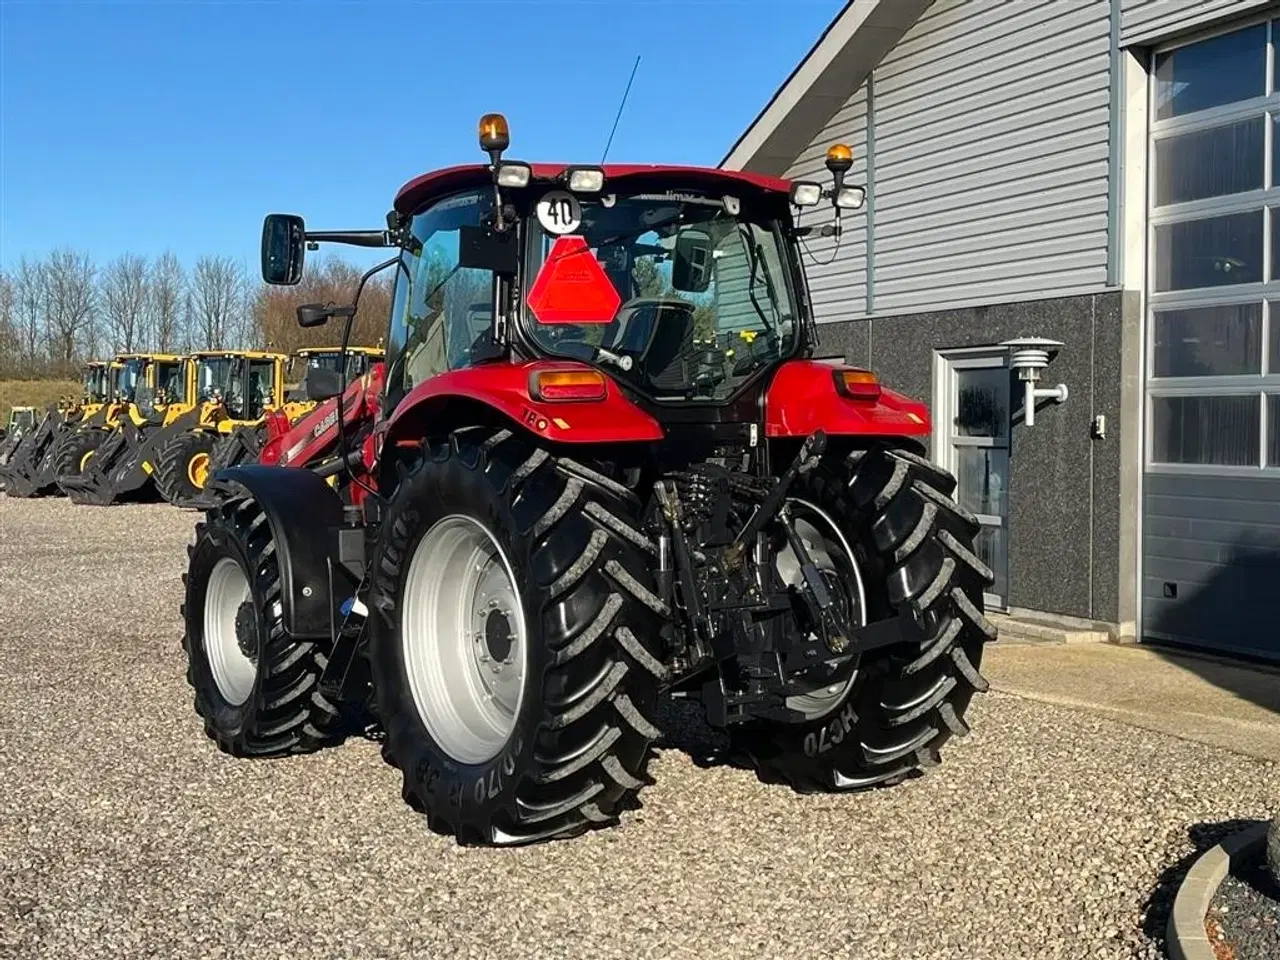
column 464, row 639
column 234, row 672
column 835, row 559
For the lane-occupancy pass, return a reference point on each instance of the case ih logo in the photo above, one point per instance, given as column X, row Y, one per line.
column 325, row 424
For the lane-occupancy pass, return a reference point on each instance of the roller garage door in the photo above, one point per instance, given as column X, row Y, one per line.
column 1211, row 494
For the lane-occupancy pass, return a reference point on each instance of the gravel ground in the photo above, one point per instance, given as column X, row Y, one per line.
column 1048, row 833
column 1248, row 914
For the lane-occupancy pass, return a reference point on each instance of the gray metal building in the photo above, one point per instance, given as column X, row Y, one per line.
column 1102, row 173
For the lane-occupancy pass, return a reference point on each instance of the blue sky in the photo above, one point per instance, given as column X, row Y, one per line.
column 153, row 124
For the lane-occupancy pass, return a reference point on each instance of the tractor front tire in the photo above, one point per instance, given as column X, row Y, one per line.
column 913, row 547
column 514, row 645
column 256, row 688
column 182, row 465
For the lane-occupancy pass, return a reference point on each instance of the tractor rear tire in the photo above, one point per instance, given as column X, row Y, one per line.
column 178, row 474
column 256, row 688
column 561, row 630
column 914, row 548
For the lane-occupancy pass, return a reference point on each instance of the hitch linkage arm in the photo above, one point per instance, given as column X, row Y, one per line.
column 810, row 453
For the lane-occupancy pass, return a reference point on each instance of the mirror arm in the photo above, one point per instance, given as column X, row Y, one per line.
column 354, row 238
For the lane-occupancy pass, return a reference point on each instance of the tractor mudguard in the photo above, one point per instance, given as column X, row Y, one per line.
column 505, row 387
column 803, row 398
column 303, row 511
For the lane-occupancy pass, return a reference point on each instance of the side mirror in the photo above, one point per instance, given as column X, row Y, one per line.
column 284, row 245
column 691, row 261
column 318, row 314
column 321, row 383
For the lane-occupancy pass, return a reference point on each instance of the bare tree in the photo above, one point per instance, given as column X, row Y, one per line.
column 217, row 299
column 72, row 300
column 9, row 339
column 30, row 297
column 124, row 301
column 167, row 295
column 331, row 280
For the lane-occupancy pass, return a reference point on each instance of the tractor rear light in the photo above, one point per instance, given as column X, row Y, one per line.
column 857, row 384
column 806, row 194
column 567, row 385
column 585, row 179
column 514, row 175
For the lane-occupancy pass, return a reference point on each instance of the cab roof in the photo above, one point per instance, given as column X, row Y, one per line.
column 255, row 354
column 308, row 351
column 438, row 183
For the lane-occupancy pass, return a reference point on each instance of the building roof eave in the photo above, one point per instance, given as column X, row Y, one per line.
column 851, row 46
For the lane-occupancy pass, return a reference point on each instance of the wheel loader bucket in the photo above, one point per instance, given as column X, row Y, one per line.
column 119, row 470
column 29, row 470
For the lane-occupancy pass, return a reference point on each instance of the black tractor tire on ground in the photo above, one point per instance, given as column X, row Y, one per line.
column 279, row 709
column 74, row 449
column 173, row 465
column 914, row 548
column 582, row 737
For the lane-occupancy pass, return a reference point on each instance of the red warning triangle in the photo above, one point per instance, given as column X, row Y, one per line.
column 572, row 287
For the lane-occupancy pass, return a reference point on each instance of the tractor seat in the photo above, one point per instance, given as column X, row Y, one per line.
column 662, row 332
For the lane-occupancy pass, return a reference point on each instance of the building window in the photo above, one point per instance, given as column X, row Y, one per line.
column 1213, row 357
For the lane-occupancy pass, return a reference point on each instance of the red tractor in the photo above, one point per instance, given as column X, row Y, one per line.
column 607, row 468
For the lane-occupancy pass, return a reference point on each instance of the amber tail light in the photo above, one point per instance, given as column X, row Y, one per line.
column 567, row 385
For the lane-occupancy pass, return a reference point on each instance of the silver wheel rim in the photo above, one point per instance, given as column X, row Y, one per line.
column 234, row 673
column 464, row 639
column 828, row 547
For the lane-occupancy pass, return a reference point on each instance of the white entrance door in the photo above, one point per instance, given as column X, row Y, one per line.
column 971, row 438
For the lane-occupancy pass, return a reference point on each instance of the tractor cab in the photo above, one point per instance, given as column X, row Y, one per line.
column 245, row 383
column 21, row 420
column 352, row 364
column 170, row 379
column 95, row 382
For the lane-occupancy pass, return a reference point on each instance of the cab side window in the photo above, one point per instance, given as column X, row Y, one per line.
column 442, row 311
column 260, row 387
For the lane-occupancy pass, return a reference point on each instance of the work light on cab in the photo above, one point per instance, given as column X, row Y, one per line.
column 585, row 179
column 513, row 175
column 805, row 194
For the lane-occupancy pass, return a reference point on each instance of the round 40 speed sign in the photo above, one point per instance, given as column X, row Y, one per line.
column 559, row 212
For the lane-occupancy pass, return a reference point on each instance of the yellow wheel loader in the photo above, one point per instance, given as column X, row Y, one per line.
column 116, row 463
column 30, row 470
column 232, row 389
column 244, row 443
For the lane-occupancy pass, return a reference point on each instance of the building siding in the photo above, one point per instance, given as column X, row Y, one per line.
column 991, row 155
column 1145, row 21
column 837, row 274
column 1216, row 541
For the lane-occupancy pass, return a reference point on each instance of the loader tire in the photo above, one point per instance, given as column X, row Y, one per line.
column 571, row 631
column 256, row 688
column 182, row 465
column 914, row 548
column 75, row 450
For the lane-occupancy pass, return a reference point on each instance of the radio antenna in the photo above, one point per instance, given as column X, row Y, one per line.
column 625, row 93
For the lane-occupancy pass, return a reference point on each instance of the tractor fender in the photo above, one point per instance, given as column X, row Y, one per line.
column 802, row 398
column 505, row 388
column 303, row 512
